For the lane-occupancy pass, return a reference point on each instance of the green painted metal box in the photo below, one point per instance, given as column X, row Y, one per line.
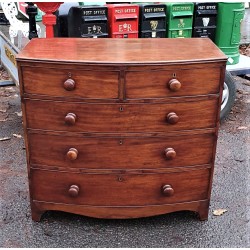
column 179, row 19
column 227, row 38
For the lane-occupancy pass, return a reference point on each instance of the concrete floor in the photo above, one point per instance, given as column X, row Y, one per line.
column 245, row 28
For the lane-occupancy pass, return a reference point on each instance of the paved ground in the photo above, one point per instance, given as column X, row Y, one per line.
column 181, row 229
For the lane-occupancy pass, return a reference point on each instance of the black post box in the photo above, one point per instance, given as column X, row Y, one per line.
column 152, row 23
column 205, row 15
column 88, row 21
column 61, row 27
column 3, row 19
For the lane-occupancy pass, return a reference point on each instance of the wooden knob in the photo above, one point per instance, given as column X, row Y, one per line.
column 69, row 84
column 73, row 191
column 167, row 190
column 172, row 118
column 70, row 119
column 72, row 154
column 174, row 85
column 170, row 153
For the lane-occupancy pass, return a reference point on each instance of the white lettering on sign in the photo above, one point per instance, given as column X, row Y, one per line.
column 121, row 11
column 99, row 12
column 87, row 12
column 181, row 8
column 151, row 10
column 93, row 12
column 208, row 7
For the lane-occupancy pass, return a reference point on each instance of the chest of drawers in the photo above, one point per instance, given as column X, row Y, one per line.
column 120, row 128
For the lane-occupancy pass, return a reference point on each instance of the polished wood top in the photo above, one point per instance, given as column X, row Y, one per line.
column 121, row 51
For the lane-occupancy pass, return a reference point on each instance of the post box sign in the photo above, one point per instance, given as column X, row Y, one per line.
column 88, row 21
column 179, row 20
column 152, row 21
column 205, row 15
column 123, row 20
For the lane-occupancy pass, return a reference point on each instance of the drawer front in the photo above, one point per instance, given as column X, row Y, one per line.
column 157, row 117
column 120, row 153
column 119, row 190
column 154, row 84
column 87, row 84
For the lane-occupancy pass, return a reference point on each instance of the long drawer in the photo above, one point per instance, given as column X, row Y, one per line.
column 155, row 83
column 120, row 152
column 119, row 190
column 86, row 84
column 154, row 117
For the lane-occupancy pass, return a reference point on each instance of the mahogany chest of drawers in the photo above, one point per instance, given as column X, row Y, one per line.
column 120, row 128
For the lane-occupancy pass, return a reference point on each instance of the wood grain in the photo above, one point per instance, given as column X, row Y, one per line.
column 122, row 51
column 101, row 117
column 154, row 84
column 106, row 136
column 120, row 153
column 114, row 190
column 88, row 84
column 109, row 212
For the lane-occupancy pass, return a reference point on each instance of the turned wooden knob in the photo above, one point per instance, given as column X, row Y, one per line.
column 69, row 84
column 70, row 119
column 73, row 190
column 72, row 154
column 172, row 118
column 174, row 85
column 167, row 190
column 170, row 153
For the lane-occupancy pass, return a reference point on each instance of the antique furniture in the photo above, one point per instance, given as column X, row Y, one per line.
column 120, row 128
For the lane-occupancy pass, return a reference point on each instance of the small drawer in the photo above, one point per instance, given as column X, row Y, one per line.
column 143, row 152
column 71, row 83
column 170, row 83
column 120, row 189
column 154, row 117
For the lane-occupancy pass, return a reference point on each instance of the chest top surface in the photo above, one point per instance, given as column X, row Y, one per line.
column 121, row 51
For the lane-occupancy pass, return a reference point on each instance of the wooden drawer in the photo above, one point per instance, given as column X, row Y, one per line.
column 119, row 189
column 154, row 83
column 88, row 84
column 139, row 117
column 121, row 152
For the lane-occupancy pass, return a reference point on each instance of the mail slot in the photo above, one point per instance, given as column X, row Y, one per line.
column 123, row 20
column 179, row 20
column 89, row 21
column 205, row 15
column 152, row 21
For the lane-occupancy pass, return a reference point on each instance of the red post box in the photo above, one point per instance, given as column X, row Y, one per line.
column 123, row 20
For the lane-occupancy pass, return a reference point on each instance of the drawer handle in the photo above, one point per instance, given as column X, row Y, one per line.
column 73, row 191
column 72, row 154
column 172, row 118
column 70, row 119
column 69, row 84
column 174, row 85
column 170, row 153
column 167, row 190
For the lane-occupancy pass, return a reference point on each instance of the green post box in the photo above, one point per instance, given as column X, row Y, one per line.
column 39, row 15
column 227, row 36
column 179, row 19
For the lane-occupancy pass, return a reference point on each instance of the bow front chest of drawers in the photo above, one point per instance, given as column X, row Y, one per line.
column 120, row 128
